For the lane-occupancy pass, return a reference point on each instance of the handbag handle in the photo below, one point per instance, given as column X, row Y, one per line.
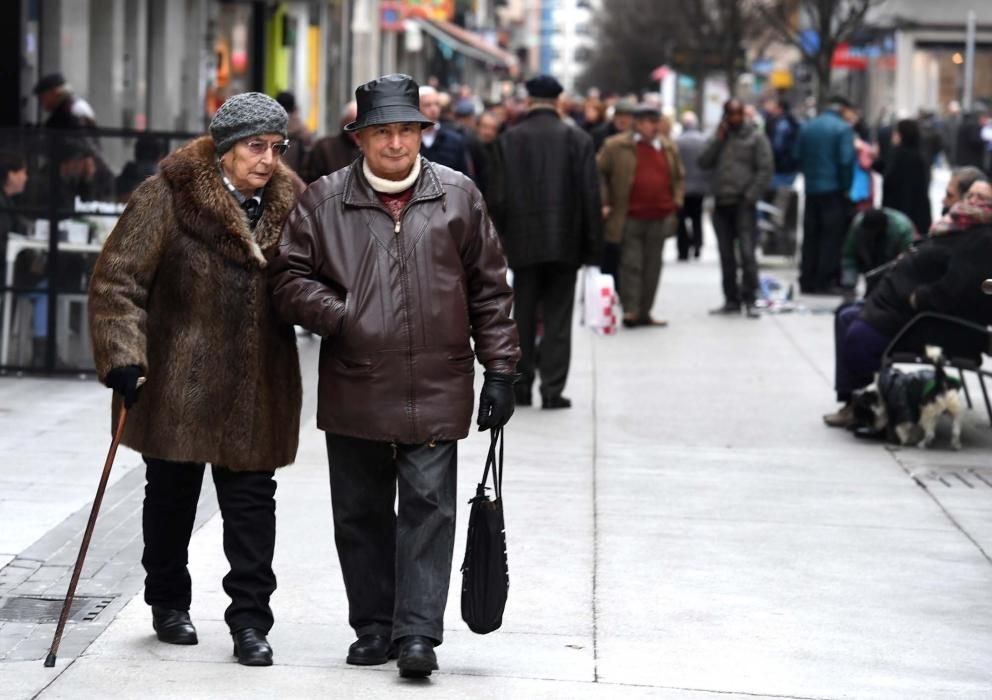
column 496, row 436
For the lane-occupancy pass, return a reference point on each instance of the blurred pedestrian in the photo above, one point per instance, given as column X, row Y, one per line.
column 948, row 128
column 971, row 147
column 331, row 153
column 148, row 151
column 441, row 143
column 65, row 109
column 487, row 132
column 782, row 131
column 549, row 218
column 876, row 237
column 179, row 297
column 300, row 137
column 396, row 265
column 621, row 121
column 690, row 146
column 643, row 181
column 825, row 150
column 742, row 164
column 906, row 179
column 931, row 141
column 13, row 180
column 593, row 114
column 465, row 124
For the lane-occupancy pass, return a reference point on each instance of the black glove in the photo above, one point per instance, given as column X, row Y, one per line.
column 124, row 380
column 496, row 400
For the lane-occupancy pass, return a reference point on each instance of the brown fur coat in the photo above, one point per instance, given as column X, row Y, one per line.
column 180, row 291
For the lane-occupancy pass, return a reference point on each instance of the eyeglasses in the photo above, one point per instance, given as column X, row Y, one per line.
column 257, row 147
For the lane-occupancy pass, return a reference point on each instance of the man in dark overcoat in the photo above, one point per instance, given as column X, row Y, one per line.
column 550, row 221
column 394, row 263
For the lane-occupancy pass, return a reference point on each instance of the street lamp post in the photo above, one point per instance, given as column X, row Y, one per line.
column 969, row 63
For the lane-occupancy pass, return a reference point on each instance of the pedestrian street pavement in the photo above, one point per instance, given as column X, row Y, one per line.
column 689, row 529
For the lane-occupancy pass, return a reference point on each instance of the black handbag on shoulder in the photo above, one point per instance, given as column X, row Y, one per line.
column 485, row 575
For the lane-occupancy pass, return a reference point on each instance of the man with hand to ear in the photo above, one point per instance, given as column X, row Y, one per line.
column 394, row 262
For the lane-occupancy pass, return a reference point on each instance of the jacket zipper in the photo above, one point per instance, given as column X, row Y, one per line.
column 411, row 396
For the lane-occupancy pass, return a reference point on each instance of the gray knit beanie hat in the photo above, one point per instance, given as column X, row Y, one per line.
column 246, row 115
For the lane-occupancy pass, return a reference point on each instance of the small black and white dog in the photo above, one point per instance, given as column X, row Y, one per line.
column 907, row 405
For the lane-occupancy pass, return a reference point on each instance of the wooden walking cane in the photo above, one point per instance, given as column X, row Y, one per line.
column 87, row 534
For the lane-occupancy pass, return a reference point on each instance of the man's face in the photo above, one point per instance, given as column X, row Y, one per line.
column 772, row 108
column 951, row 194
column 17, row 180
column 49, row 99
column 623, row 122
column 391, row 149
column 647, row 127
column 488, row 128
column 734, row 115
column 250, row 164
column 430, row 106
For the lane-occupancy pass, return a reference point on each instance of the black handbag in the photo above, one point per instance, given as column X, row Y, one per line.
column 485, row 575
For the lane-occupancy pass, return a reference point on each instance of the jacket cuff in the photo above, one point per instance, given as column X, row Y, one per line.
column 501, row 366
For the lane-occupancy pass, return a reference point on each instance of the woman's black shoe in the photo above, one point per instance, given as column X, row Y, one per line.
column 416, row 657
column 252, row 648
column 371, row 650
column 173, row 626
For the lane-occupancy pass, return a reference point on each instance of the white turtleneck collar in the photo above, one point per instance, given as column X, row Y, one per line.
column 381, row 184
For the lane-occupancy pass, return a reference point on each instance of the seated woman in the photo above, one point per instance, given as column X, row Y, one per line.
column 942, row 274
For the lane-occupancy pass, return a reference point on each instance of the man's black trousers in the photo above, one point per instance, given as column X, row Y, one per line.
column 248, row 507
column 551, row 288
column 396, row 566
column 825, row 221
column 690, row 238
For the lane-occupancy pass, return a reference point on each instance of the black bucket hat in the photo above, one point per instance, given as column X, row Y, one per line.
column 390, row 99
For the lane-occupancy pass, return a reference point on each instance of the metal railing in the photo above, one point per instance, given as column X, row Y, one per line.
column 51, row 233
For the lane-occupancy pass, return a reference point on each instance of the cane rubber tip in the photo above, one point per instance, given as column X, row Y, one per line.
column 50, row 661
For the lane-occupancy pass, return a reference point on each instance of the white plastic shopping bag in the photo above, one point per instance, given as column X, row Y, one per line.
column 599, row 301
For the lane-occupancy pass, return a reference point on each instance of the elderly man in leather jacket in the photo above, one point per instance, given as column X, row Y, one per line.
column 394, row 262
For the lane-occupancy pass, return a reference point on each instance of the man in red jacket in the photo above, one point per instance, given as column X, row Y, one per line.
column 643, row 188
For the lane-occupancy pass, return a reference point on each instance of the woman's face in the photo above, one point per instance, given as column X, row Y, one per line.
column 250, row 164
column 979, row 193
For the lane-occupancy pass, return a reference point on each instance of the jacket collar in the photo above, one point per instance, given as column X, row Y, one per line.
column 206, row 209
column 358, row 192
column 541, row 110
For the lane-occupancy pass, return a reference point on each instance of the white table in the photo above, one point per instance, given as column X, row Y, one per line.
column 15, row 244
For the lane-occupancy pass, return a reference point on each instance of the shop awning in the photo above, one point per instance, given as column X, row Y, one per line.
column 469, row 43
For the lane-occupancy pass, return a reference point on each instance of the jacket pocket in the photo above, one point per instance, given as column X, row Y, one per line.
column 352, row 365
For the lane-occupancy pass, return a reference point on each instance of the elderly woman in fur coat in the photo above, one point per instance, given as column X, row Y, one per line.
column 178, row 298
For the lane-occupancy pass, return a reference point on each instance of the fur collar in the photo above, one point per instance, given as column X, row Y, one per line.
column 207, row 210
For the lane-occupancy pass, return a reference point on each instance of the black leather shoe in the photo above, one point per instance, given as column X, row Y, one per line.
column 371, row 650
column 252, row 648
column 556, row 402
column 173, row 626
column 416, row 657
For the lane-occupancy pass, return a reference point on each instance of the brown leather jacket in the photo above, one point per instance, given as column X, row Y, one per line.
column 397, row 303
